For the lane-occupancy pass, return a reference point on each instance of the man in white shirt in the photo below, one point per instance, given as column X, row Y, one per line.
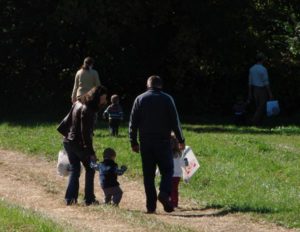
column 259, row 86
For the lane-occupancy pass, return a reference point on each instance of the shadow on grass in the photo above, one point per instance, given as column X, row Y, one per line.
column 110, row 136
column 243, row 130
column 32, row 123
column 204, row 127
column 219, row 211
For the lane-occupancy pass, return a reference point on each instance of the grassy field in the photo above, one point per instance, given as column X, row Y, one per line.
column 16, row 219
column 243, row 169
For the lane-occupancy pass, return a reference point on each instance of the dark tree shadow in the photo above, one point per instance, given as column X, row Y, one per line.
column 200, row 127
column 241, row 130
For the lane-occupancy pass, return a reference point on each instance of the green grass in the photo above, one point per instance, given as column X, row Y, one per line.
column 243, row 169
column 248, row 170
column 16, row 219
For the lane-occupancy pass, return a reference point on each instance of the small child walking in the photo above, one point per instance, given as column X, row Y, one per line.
column 179, row 163
column 114, row 114
column 108, row 175
column 239, row 109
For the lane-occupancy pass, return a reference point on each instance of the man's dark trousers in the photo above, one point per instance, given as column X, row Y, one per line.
column 156, row 152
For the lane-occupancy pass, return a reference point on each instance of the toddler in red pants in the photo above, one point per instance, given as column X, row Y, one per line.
column 179, row 163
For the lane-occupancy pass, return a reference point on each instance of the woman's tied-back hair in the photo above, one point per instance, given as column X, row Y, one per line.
column 175, row 146
column 114, row 99
column 92, row 97
column 88, row 61
column 109, row 153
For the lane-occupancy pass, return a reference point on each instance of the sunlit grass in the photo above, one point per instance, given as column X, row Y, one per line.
column 17, row 219
column 243, row 169
column 138, row 218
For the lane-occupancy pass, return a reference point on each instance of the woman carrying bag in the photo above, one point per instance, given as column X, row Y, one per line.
column 77, row 129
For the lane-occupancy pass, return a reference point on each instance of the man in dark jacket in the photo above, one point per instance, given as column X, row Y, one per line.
column 154, row 117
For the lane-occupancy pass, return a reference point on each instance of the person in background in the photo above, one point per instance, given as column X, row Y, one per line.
column 108, row 176
column 239, row 111
column 114, row 113
column 259, row 88
column 154, row 116
column 85, row 79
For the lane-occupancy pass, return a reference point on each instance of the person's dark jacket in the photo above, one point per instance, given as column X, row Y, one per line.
column 82, row 127
column 155, row 116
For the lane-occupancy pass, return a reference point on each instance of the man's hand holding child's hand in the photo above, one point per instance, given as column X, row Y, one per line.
column 181, row 146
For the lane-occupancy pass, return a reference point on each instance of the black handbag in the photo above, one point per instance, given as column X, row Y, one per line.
column 65, row 124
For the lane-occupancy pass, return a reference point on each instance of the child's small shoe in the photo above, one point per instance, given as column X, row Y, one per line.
column 70, row 202
column 94, row 202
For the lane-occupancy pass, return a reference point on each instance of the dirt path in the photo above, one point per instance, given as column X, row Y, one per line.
column 32, row 182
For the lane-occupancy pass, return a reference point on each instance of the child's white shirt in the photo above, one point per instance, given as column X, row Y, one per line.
column 178, row 165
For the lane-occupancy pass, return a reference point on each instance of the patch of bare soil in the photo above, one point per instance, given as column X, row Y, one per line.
column 32, row 182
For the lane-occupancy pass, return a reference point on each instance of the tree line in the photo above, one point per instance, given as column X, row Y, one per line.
column 202, row 50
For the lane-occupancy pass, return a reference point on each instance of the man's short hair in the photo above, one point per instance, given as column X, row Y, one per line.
column 154, row 82
column 260, row 57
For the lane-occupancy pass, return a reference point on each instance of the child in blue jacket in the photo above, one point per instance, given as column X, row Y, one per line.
column 108, row 175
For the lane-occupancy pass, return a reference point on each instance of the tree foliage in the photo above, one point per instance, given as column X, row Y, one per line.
column 202, row 49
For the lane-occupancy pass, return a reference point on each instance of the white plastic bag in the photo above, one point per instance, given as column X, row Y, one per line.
column 193, row 164
column 272, row 108
column 63, row 163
